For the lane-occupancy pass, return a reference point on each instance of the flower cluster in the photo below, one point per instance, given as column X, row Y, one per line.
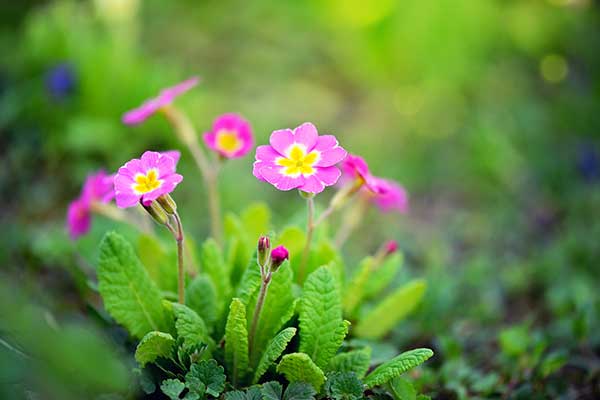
column 98, row 187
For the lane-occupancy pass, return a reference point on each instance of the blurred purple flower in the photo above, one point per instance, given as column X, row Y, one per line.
column 60, row 81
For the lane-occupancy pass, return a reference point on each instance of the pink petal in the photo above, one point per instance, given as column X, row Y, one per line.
column 174, row 154
column 257, row 166
column 326, row 142
column 281, row 140
column 150, row 160
column 165, row 165
column 266, row 153
column 312, row 185
column 328, row 175
column 307, row 135
column 280, row 181
column 331, row 157
column 126, row 200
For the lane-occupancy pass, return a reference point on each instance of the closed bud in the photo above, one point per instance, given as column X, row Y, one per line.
column 167, row 203
column 390, row 247
column 156, row 212
column 264, row 247
column 278, row 256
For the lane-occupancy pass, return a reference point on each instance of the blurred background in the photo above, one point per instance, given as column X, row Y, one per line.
column 487, row 112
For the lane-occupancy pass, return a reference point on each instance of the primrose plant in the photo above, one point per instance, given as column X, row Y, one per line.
column 250, row 314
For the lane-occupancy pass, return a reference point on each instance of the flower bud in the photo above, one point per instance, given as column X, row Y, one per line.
column 156, row 211
column 278, row 256
column 167, row 203
column 390, row 247
column 264, row 247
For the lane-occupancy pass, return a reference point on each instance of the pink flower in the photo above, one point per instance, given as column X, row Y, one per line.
column 165, row 97
column 79, row 218
column 145, row 179
column 389, row 196
column 299, row 159
column 174, row 154
column 98, row 187
column 356, row 168
column 390, row 247
column 278, row 256
column 231, row 136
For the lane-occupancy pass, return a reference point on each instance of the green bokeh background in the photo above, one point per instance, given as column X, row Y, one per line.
column 486, row 111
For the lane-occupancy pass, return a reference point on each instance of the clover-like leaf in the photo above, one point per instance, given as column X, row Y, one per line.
column 272, row 391
column 343, row 386
column 299, row 391
column 210, row 374
column 172, row 388
column 154, row 345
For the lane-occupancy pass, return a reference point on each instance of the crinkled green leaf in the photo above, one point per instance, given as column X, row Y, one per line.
column 397, row 366
column 201, row 296
column 190, row 326
column 210, row 374
column 357, row 361
column 159, row 262
column 172, row 388
column 250, row 281
column 212, row 263
column 236, row 341
column 355, row 291
column 298, row 367
column 235, row 395
column 299, row 391
column 272, row 391
column 278, row 308
column 323, row 252
column 322, row 329
column 391, row 310
column 343, row 386
column 129, row 294
column 154, row 345
column 274, row 349
column 402, row 389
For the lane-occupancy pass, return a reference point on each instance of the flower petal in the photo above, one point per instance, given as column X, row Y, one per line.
column 266, row 153
column 280, row 181
column 281, row 140
column 328, row 175
column 306, row 134
column 312, row 184
column 331, row 157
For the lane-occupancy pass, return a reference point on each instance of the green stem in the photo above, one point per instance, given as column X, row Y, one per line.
column 214, row 207
column 351, row 220
column 180, row 264
column 310, row 226
column 264, row 285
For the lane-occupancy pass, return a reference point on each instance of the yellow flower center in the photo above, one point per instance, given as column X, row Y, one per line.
column 228, row 141
column 147, row 183
column 298, row 162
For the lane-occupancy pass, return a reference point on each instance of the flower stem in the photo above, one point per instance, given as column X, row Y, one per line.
column 351, row 220
column 264, row 284
column 180, row 265
column 116, row 214
column 310, row 226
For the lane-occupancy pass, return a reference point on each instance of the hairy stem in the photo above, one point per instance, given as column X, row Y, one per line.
column 310, row 227
column 351, row 220
column 180, row 264
column 264, row 284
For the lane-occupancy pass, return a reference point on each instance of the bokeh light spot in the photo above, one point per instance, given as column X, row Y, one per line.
column 554, row 68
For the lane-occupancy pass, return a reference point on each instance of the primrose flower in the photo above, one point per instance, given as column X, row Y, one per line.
column 98, row 187
column 390, row 196
column 165, row 97
column 299, row 159
column 278, row 255
column 231, row 136
column 356, row 168
column 145, row 179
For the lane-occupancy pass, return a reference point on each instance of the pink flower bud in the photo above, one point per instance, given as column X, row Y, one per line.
column 390, row 247
column 278, row 256
column 264, row 246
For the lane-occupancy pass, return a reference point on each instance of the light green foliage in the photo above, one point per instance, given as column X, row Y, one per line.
column 252, row 393
column 357, row 361
column 190, row 326
column 172, row 388
column 322, row 329
column 343, row 386
column 355, row 291
column 382, row 276
column 201, row 296
column 391, row 310
column 209, row 374
column 250, row 281
column 323, row 252
column 298, row 367
column 277, row 309
column 293, row 238
column 515, row 340
column 402, row 389
column 212, row 263
column 294, row 391
column 397, row 366
column 236, row 341
column 256, row 219
column 274, row 349
column 129, row 294
column 154, row 345
column 160, row 264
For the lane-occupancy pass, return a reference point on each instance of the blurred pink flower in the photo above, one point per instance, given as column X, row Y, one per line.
column 389, row 196
column 299, row 159
column 165, row 97
column 145, row 179
column 98, row 187
column 231, row 136
column 356, row 168
column 390, row 247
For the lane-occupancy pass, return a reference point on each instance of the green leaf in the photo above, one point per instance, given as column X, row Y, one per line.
column 357, row 361
column 190, row 326
column 355, row 290
column 236, row 341
column 298, row 367
column 201, row 296
column 274, row 349
column 343, row 386
column 402, row 389
column 391, row 310
column 250, row 281
column 383, row 275
column 215, row 267
column 172, row 388
column 159, row 263
column 272, row 391
column 293, row 238
column 129, row 294
column 256, row 219
column 154, row 345
column 299, row 391
column 323, row 252
column 322, row 329
column 278, row 308
column 397, row 366
column 209, row 374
